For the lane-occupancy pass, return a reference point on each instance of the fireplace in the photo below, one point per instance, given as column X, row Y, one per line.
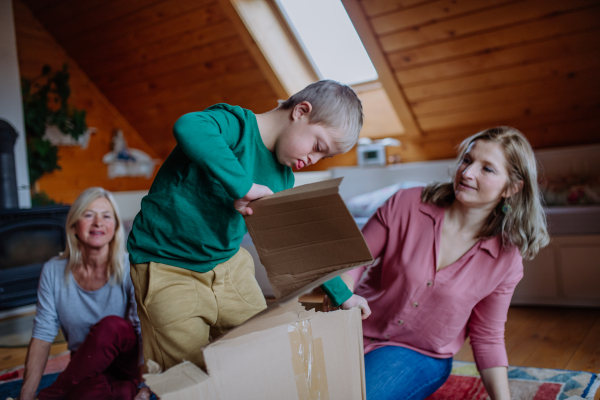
column 28, row 238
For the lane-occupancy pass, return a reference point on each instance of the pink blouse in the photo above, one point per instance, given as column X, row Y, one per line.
column 433, row 312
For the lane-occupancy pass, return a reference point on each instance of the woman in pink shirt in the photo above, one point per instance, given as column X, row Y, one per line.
column 450, row 256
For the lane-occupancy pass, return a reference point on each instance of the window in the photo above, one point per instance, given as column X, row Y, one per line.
column 329, row 40
column 330, row 49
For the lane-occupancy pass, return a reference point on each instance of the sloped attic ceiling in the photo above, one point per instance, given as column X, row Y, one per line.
column 453, row 66
column 466, row 65
column 156, row 60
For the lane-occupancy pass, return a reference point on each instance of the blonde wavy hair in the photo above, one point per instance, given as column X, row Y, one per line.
column 73, row 254
column 524, row 225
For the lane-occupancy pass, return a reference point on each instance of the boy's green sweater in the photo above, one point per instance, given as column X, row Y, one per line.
column 187, row 219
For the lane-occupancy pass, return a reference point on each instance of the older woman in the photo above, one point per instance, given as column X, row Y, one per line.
column 87, row 292
column 450, row 258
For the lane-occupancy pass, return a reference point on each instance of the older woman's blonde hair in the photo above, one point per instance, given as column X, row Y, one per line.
column 73, row 253
column 524, row 225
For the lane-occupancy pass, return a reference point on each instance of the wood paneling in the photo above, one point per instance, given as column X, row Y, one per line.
column 483, row 43
column 155, row 60
column 515, row 75
column 449, row 67
column 144, row 21
column 374, row 8
column 465, row 65
column 380, row 119
column 174, row 30
column 572, row 87
column 487, row 20
column 80, row 168
column 428, row 13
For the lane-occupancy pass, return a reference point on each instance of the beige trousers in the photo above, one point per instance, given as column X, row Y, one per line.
column 179, row 308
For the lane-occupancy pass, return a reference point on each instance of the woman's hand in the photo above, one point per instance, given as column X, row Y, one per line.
column 354, row 301
column 256, row 192
column 143, row 394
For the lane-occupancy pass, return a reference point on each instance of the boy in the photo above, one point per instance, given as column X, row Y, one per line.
column 191, row 277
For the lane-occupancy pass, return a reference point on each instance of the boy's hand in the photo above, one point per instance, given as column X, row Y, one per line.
column 354, row 301
column 360, row 302
column 256, row 192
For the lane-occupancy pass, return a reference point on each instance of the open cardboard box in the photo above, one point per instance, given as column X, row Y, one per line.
column 304, row 237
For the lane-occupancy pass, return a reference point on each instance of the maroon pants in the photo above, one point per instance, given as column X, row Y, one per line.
column 104, row 366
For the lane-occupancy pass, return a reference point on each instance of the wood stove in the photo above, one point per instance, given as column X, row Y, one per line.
column 28, row 238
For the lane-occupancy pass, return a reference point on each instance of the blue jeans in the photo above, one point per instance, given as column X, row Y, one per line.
column 393, row 372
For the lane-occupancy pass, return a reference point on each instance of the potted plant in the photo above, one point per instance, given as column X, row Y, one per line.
column 45, row 103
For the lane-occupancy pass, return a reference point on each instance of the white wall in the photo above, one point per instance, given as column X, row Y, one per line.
column 579, row 160
column 11, row 105
column 129, row 203
column 359, row 180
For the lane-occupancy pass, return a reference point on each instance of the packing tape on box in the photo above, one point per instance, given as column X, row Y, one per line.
column 308, row 361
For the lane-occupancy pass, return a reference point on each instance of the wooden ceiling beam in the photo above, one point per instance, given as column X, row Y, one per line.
column 386, row 75
column 254, row 50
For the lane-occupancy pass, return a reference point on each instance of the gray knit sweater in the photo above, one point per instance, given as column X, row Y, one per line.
column 75, row 310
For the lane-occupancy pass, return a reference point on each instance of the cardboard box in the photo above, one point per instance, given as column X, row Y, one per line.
column 304, row 237
column 287, row 353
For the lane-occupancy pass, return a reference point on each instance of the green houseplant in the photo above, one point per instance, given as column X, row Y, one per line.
column 45, row 103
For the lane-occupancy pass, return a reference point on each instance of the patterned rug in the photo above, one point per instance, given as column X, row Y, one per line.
column 11, row 380
column 463, row 384
column 525, row 384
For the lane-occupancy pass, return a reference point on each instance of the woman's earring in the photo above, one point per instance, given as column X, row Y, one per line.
column 506, row 208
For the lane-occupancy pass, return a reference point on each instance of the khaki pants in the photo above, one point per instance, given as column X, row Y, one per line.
column 179, row 308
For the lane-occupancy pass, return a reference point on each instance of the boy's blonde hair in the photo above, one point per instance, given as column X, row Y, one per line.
column 524, row 225
column 116, row 254
column 334, row 105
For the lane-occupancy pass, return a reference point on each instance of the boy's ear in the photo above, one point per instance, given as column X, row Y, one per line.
column 303, row 108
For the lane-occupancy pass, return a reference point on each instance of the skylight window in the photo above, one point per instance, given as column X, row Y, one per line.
column 329, row 39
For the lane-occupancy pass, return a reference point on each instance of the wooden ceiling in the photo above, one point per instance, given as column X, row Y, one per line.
column 465, row 65
column 451, row 67
column 156, row 60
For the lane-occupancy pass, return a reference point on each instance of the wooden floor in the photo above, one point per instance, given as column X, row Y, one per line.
column 10, row 358
column 563, row 338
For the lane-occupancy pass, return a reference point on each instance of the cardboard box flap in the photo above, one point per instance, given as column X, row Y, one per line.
column 317, row 189
column 275, row 315
column 182, row 379
column 305, row 233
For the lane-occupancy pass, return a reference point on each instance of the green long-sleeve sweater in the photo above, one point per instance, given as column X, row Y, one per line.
column 187, row 219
